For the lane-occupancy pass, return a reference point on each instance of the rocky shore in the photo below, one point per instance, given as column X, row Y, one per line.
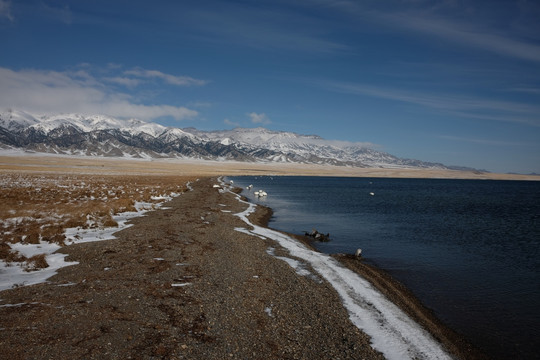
column 182, row 283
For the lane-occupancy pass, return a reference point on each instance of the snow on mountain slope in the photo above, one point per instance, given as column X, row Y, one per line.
column 263, row 138
column 172, row 134
column 305, row 146
column 149, row 128
column 82, row 122
column 14, row 120
column 107, row 136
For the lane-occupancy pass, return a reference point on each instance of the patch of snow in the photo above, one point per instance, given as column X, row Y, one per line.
column 268, row 311
column 13, row 305
column 160, row 197
column 13, row 275
column 249, row 232
column 298, row 266
column 30, row 250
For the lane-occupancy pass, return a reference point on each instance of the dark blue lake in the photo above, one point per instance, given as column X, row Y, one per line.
column 468, row 249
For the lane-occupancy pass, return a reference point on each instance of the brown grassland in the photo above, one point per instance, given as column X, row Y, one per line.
column 38, row 207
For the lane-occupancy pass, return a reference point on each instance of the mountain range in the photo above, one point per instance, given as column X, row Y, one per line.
column 99, row 135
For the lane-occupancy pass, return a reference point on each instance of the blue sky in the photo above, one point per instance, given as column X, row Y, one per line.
column 456, row 82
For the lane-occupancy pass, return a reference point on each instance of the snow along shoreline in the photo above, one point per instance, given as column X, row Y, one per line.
column 392, row 331
column 15, row 275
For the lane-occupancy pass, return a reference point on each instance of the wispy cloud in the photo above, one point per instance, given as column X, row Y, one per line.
column 124, row 81
column 44, row 91
column 528, row 90
column 469, row 35
column 5, row 10
column 168, row 78
column 62, row 14
column 463, row 23
column 263, row 28
column 484, row 141
column 470, row 106
column 259, row 118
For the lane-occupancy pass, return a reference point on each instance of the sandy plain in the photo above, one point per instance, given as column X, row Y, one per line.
column 186, row 167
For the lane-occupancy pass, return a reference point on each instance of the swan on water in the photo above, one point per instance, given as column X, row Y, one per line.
column 260, row 193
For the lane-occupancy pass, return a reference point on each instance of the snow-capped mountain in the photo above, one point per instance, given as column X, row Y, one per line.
column 98, row 135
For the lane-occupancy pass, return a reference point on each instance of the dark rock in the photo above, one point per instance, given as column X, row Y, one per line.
column 318, row 236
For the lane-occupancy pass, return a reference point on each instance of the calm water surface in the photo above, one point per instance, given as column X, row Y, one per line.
column 468, row 249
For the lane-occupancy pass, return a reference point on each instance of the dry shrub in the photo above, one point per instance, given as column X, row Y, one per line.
column 10, row 256
column 5, row 250
column 32, row 238
column 36, row 262
column 53, row 233
column 109, row 222
column 50, row 230
column 122, row 205
column 56, row 238
column 75, row 221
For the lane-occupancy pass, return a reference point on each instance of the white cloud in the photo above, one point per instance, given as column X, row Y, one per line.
column 259, row 118
column 168, row 78
column 41, row 91
column 5, row 10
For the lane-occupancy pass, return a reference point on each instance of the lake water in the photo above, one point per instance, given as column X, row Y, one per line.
column 468, row 249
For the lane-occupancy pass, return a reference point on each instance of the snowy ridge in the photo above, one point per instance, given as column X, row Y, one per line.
column 392, row 332
column 99, row 135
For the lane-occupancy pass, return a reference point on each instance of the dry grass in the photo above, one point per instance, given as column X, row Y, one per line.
column 39, row 207
column 186, row 167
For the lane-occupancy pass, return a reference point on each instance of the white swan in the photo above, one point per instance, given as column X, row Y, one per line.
column 260, row 193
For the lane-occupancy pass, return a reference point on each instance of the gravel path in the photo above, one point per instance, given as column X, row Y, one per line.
column 180, row 283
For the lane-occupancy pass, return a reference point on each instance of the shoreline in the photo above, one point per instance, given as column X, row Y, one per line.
column 400, row 295
column 82, row 280
column 456, row 344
